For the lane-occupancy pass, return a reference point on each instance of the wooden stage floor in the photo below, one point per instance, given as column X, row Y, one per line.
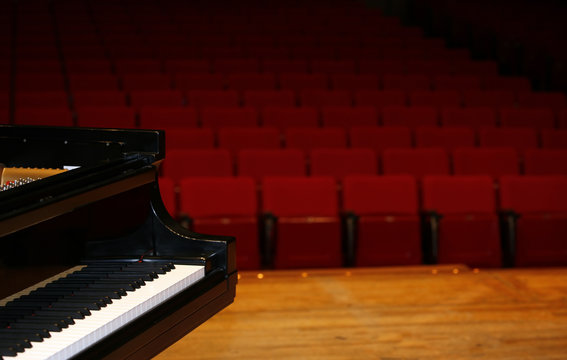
column 438, row 312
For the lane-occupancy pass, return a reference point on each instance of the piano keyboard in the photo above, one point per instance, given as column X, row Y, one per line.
column 114, row 295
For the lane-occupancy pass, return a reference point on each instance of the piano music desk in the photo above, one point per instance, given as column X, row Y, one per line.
column 430, row 312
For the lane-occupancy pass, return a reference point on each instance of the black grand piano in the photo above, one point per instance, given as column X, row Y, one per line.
column 91, row 264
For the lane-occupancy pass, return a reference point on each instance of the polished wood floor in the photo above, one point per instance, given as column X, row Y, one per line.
column 448, row 312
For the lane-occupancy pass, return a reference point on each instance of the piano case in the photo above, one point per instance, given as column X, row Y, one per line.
column 107, row 207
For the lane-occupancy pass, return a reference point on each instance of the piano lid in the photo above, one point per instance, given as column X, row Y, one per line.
column 105, row 162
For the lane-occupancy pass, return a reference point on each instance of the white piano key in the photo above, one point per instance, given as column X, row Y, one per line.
column 101, row 323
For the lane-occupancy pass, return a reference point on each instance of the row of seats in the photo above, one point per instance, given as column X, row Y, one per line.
column 300, row 222
column 372, row 137
column 297, row 81
column 260, row 65
column 519, row 128
column 306, row 97
column 284, row 117
column 338, row 163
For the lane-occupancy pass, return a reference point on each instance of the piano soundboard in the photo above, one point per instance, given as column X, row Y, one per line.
column 88, row 200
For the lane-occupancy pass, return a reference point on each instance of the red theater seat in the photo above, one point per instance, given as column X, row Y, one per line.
column 346, row 116
column 468, row 230
column 236, row 139
column 554, row 139
column 388, row 226
column 187, row 66
column 445, row 137
column 333, row 66
column 284, row 117
column 139, row 66
column 298, row 82
column 97, row 66
column 534, row 117
column 510, row 83
column 216, row 117
column 406, row 82
column 380, row 138
column 235, row 65
column 107, row 117
column 318, row 98
column 339, row 163
column 306, row 211
column 308, row 138
column 263, row 98
column 554, row 100
column 490, row 98
column 43, row 116
column 40, row 82
column 224, row 206
column 93, row 82
column 259, row 163
column 251, row 81
column 486, row 161
column 380, row 99
column 158, row 117
column 413, row 116
column 217, row 98
column 380, row 67
column 474, row 117
column 142, row 98
column 189, row 138
column 146, row 81
column 518, row 138
column 49, row 99
column 94, row 98
column 541, row 229
column 456, row 82
column 545, row 162
column 438, row 98
column 416, row 162
column 199, row 81
column 352, row 82
column 181, row 163
column 285, row 66
column 476, row 68
column 429, row 67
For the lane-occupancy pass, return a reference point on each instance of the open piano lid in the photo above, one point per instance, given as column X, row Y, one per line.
column 107, row 208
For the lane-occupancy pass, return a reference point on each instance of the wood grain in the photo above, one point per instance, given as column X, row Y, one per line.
column 444, row 312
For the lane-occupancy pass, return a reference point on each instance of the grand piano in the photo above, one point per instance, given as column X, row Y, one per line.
column 91, row 264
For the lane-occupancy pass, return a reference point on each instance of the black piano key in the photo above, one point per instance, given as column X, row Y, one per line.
column 105, row 275
column 59, row 323
column 69, row 307
column 79, row 303
column 20, row 338
column 68, row 320
column 20, row 343
column 135, row 282
column 33, row 298
column 98, row 298
column 73, row 314
column 36, row 326
column 29, row 303
column 100, row 292
column 31, row 334
column 8, row 351
column 116, row 285
column 148, row 272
